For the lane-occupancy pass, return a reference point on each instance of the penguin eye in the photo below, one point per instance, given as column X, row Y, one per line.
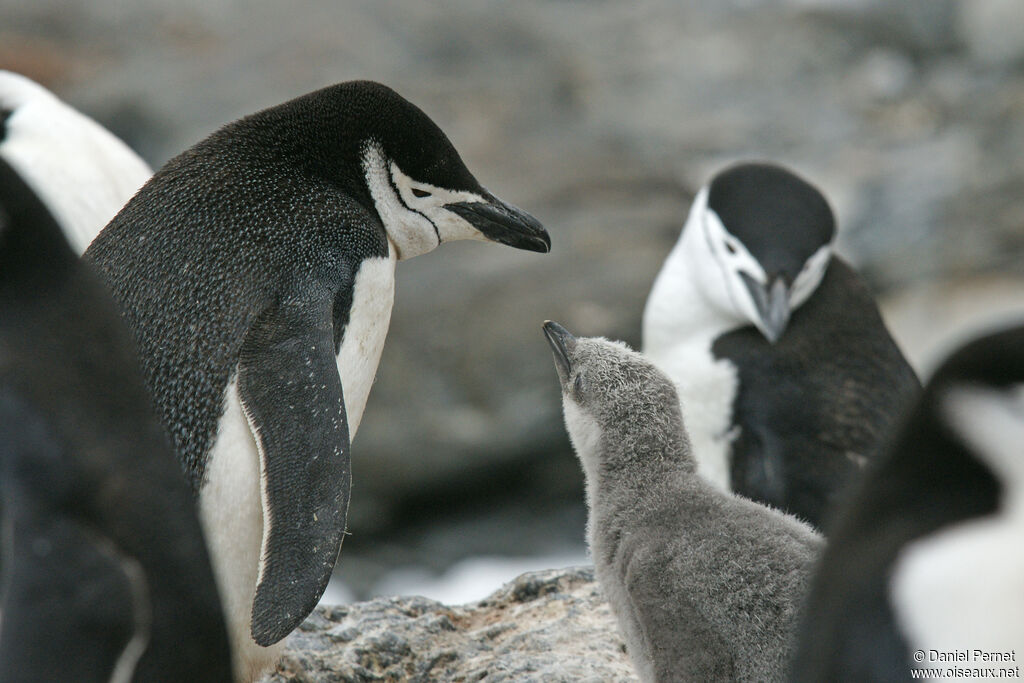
column 730, row 247
column 420, row 193
column 577, row 385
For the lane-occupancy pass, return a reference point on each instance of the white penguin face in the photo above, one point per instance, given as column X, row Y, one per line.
column 415, row 213
column 718, row 259
column 733, row 281
column 810, row 276
column 991, row 423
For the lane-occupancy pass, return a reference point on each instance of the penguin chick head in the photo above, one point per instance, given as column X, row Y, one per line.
column 610, row 392
column 759, row 240
column 418, row 183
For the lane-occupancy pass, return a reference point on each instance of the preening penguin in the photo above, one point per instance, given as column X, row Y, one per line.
column 787, row 374
column 927, row 554
column 706, row 585
column 81, row 172
column 256, row 270
column 105, row 573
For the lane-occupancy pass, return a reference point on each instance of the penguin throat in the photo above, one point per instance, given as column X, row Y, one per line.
column 410, row 232
column 586, row 436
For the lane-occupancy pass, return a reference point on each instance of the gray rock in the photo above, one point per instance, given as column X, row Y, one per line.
column 545, row 626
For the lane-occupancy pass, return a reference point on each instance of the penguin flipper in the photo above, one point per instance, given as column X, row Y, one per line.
column 290, row 390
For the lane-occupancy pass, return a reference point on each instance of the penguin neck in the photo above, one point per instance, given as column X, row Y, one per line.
column 632, row 466
column 621, row 460
column 678, row 312
column 637, row 452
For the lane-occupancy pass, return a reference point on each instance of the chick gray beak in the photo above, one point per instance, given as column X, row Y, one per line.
column 504, row 223
column 562, row 343
column 772, row 302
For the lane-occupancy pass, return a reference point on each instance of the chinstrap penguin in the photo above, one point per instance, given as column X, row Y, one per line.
column 81, row 172
column 787, row 374
column 256, row 270
column 105, row 573
column 926, row 557
column 706, row 585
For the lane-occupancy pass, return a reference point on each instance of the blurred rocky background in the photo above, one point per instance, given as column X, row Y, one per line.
column 601, row 118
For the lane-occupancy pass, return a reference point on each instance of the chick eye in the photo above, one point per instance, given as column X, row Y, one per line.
column 730, row 247
column 420, row 193
column 577, row 385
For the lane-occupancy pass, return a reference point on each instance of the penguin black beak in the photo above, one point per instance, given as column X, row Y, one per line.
column 562, row 344
column 504, row 223
column 772, row 302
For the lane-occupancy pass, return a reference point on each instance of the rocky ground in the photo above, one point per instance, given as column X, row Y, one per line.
column 602, row 119
column 545, row 626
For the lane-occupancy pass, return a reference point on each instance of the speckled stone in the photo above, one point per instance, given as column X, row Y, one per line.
column 551, row 625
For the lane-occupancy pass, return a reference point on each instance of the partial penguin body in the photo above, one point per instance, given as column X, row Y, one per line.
column 257, row 273
column 925, row 556
column 705, row 585
column 81, row 172
column 106, row 576
column 787, row 375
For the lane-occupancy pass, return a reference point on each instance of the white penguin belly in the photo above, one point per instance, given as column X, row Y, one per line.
column 232, row 515
column 373, row 296
column 707, row 388
column 230, row 502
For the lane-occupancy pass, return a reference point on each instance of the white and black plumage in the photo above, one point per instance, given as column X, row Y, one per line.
column 105, row 573
column 706, row 585
column 927, row 554
column 81, row 172
column 256, row 270
column 787, row 374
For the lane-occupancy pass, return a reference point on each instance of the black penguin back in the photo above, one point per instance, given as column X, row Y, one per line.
column 88, row 479
column 215, row 238
column 813, row 406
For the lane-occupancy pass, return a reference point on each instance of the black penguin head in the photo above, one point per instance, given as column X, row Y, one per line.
column 765, row 240
column 417, row 181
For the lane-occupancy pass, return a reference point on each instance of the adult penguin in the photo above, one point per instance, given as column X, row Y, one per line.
column 788, row 377
column 105, row 576
column 922, row 575
column 257, row 272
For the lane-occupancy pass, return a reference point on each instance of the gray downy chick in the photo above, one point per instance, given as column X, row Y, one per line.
column 706, row 585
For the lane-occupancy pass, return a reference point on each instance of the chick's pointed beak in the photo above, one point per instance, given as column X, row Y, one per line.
column 772, row 302
column 562, row 344
column 504, row 223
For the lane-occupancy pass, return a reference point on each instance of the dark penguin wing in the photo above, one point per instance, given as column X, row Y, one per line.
column 815, row 406
column 291, row 392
